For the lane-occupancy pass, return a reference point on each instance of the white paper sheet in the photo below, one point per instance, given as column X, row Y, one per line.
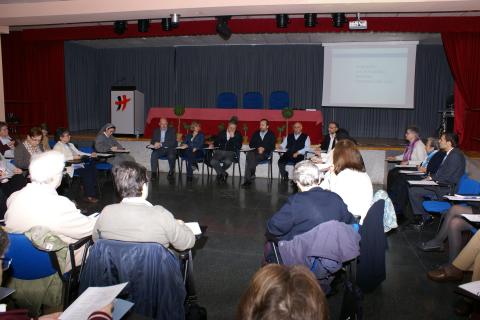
column 472, row 287
column 405, row 166
column 422, row 183
column 195, row 227
column 472, row 217
column 410, row 172
column 93, row 299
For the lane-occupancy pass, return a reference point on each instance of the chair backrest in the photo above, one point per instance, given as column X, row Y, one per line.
column 86, row 149
column 155, row 283
column 227, row 100
column 253, row 100
column 51, row 143
column 28, row 262
column 468, row 186
column 279, row 100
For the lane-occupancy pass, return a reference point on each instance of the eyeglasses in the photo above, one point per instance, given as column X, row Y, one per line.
column 6, row 262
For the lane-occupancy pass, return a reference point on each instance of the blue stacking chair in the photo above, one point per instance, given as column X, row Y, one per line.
column 227, row 100
column 28, row 262
column 253, row 100
column 466, row 186
column 51, row 143
column 279, row 100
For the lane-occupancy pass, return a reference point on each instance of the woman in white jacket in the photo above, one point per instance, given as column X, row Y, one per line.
column 86, row 170
column 349, row 179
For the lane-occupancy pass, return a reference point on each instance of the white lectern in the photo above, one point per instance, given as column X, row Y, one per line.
column 127, row 110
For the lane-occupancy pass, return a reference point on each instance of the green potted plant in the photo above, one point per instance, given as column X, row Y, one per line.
column 287, row 113
column 221, row 126
column 245, row 130
column 179, row 111
column 280, row 137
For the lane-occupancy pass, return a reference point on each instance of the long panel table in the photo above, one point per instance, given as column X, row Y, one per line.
column 211, row 118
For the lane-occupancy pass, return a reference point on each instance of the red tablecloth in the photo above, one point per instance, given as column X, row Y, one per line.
column 210, row 119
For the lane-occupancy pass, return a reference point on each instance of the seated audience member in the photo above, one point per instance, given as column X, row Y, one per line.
column 328, row 142
column 281, row 292
column 263, row 141
column 7, row 144
column 452, row 227
column 137, row 220
column 399, row 190
column 11, row 180
column 103, row 314
column 309, row 207
column 105, row 142
column 38, row 204
column 324, row 161
column 448, row 175
column 414, row 154
column 193, row 148
column 88, row 173
column 11, row 177
column 349, row 179
column 44, row 143
column 31, row 146
column 295, row 145
column 164, row 141
column 467, row 260
column 228, row 143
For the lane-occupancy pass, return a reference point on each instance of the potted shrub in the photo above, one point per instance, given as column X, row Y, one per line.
column 280, row 137
column 179, row 111
column 245, row 130
column 287, row 113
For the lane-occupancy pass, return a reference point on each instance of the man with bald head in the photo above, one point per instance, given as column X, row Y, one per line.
column 164, row 142
column 295, row 145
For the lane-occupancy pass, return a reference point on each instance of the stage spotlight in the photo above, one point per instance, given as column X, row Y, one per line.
column 282, row 20
column 175, row 19
column 143, row 25
column 310, row 20
column 120, row 26
column 222, row 27
column 339, row 19
column 167, row 24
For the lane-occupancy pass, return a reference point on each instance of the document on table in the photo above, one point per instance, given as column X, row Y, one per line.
column 471, row 287
column 411, row 172
column 422, row 183
column 195, row 227
column 472, row 217
column 247, row 149
column 405, row 166
column 93, row 299
column 121, row 151
column 104, row 154
column 465, row 197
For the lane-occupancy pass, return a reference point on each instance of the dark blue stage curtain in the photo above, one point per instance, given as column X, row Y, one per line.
column 194, row 76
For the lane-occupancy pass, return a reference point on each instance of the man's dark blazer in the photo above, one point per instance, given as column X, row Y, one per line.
column 268, row 141
column 452, row 168
column 234, row 144
column 326, row 142
column 170, row 137
column 435, row 161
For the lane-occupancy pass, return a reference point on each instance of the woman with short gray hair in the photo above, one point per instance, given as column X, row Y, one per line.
column 306, row 175
column 137, row 220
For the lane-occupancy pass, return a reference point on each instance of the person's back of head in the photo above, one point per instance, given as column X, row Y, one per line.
column 130, row 179
column 347, row 156
column 306, row 175
column 278, row 292
column 47, row 167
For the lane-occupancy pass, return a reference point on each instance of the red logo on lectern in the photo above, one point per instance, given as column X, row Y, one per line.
column 122, row 102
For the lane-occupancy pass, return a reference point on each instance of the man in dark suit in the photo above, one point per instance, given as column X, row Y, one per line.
column 295, row 145
column 328, row 142
column 164, row 142
column 263, row 141
column 447, row 176
column 228, row 143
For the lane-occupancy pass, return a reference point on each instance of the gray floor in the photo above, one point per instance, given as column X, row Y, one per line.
column 231, row 251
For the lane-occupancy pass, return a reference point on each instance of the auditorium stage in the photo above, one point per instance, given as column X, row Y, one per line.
column 374, row 151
